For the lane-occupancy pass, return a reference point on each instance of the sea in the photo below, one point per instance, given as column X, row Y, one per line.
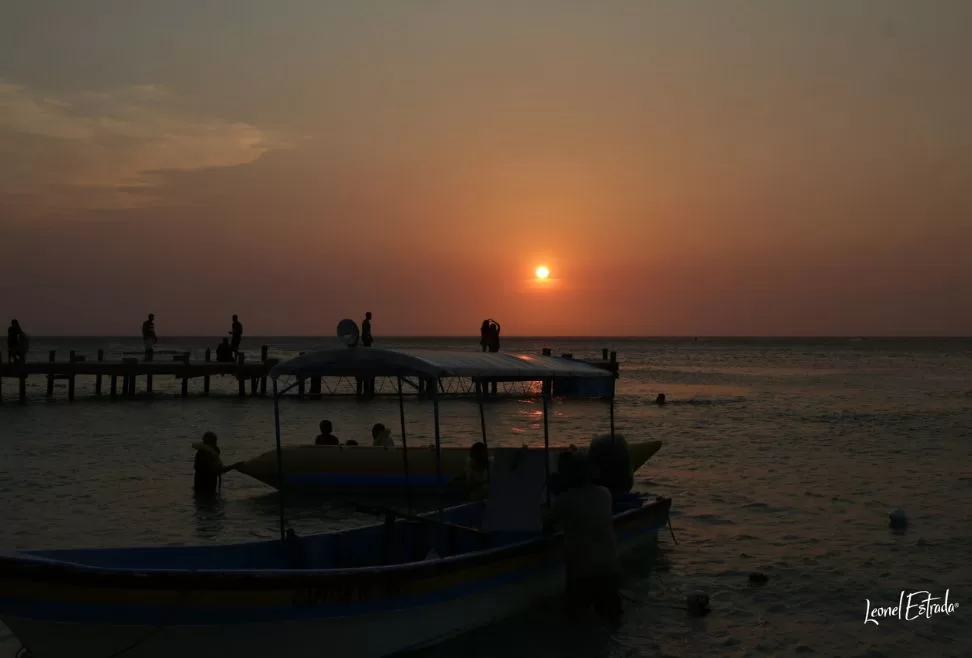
column 783, row 457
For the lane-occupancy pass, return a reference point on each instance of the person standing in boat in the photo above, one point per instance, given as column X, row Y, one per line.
column 16, row 342
column 149, row 339
column 477, row 471
column 237, row 335
column 208, row 465
column 585, row 512
column 326, row 437
column 381, row 436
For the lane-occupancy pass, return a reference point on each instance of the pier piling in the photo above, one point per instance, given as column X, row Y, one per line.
column 209, row 357
column 101, row 357
column 149, row 357
column 240, row 378
column 50, row 375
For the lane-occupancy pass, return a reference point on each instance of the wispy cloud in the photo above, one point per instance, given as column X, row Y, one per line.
column 93, row 150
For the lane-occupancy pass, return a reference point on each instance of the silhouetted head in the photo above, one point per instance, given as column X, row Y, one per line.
column 377, row 430
column 209, row 438
column 226, row 341
column 15, row 324
column 660, row 400
column 235, row 318
column 485, row 326
column 368, row 315
column 326, row 427
column 350, row 442
column 479, row 455
column 151, row 316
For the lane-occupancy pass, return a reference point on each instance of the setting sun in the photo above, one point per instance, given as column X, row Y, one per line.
column 542, row 272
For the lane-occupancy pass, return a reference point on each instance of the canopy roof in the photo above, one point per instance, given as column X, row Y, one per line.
column 374, row 362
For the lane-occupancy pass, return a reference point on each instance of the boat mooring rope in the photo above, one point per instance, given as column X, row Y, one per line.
column 671, row 530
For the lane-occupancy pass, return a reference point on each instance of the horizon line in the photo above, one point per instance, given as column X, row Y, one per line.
column 550, row 337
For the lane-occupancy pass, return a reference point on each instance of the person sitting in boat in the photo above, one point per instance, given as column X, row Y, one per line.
column 208, row 465
column 326, row 437
column 381, row 436
column 16, row 342
column 350, row 442
column 584, row 511
column 224, row 353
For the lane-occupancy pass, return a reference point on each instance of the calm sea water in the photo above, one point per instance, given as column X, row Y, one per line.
column 782, row 456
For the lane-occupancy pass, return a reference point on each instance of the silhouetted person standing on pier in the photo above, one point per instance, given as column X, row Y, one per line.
column 494, row 332
column 366, row 338
column 484, row 335
column 366, row 341
column 16, row 342
column 237, row 334
column 224, row 353
column 148, row 333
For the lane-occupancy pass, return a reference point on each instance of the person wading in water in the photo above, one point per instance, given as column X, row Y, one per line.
column 208, row 466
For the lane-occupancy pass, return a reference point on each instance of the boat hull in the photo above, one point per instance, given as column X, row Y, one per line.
column 366, row 468
column 62, row 611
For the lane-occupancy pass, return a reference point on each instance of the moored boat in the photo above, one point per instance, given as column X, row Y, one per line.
column 407, row 583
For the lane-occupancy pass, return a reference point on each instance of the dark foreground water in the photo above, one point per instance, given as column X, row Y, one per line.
column 782, row 456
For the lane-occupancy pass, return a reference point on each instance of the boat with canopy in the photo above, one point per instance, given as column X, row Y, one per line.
column 322, row 468
column 412, row 581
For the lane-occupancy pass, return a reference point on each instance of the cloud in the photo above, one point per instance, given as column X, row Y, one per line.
column 105, row 150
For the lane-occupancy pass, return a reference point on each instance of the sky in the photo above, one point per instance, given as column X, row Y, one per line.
column 683, row 168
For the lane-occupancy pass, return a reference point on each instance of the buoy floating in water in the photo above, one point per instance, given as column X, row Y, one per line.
column 697, row 604
column 898, row 519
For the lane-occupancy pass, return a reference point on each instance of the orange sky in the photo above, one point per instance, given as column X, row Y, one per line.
column 698, row 168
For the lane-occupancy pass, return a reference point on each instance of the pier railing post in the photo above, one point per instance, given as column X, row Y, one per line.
column 71, row 378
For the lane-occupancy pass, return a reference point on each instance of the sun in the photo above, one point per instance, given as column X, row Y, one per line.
column 542, row 272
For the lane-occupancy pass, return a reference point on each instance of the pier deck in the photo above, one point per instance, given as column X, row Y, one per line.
column 122, row 376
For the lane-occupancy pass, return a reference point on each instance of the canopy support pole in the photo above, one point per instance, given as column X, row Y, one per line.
column 547, row 385
column 482, row 424
column 280, row 478
column 612, row 418
column 438, row 446
column 401, row 415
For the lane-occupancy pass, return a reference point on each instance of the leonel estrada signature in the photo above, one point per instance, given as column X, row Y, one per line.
column 916, row 605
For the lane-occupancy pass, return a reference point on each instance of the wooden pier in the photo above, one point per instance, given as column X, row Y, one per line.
column 122, row 377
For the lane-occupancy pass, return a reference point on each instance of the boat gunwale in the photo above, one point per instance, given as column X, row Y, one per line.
column 23, row 566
